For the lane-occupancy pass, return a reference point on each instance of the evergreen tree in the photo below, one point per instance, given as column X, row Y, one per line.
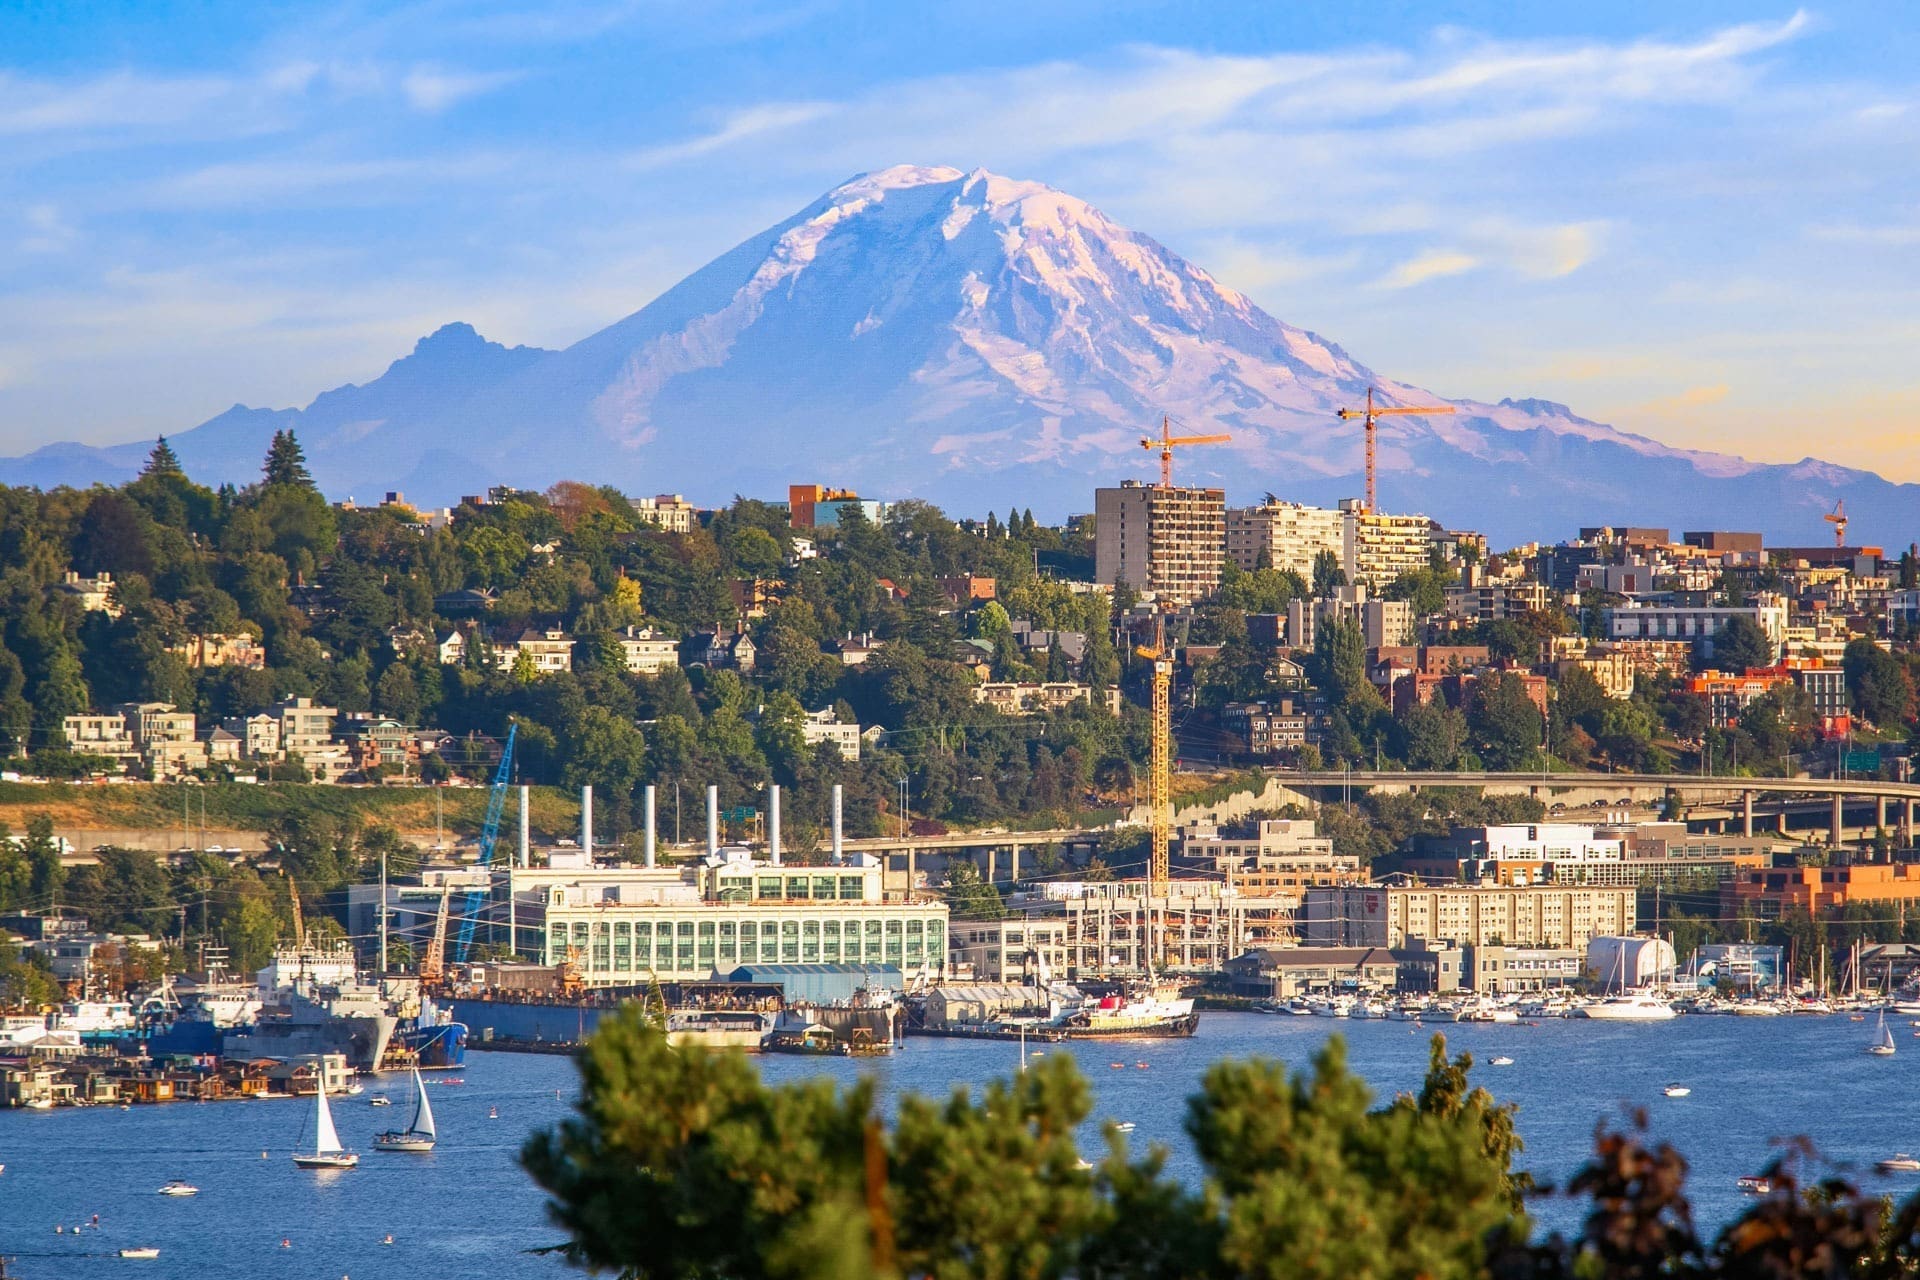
column 286, row 464
column 162, row 461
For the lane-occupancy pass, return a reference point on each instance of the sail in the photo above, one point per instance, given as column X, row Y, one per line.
column 328, row 1142
column 422, row 1109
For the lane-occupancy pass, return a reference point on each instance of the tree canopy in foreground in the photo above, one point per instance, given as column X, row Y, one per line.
column 683, row 1165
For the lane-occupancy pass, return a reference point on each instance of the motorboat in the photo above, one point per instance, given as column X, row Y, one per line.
column 1629, row 1006
column 179, row 1188
column 327, row 1153
column 1676, row 1091
column 1899, row 1163
column 144, row 1251
column 1754, row 1186
column 419, row 1135
column 1502, row 1061
column 1123, row 1126
column 379, row 1100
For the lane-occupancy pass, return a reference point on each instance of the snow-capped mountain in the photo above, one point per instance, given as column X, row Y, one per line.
column 980, row 342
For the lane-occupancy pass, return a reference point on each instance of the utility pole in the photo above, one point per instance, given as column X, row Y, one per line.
column 383, row 912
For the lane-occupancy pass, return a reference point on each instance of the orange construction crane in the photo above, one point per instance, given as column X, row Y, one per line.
column 1370, row 413
column 1838, row 519
column 1168, row 442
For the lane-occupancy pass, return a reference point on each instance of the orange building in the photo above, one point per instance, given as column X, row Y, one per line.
column 1768, row 892
column 803, row 498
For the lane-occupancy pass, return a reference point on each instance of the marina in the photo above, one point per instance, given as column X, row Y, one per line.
column 466, row 1204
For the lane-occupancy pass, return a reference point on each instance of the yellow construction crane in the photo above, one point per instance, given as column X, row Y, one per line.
column 1168, row 442
column 1370, row 413
column 1838, row 519
column 433, row 965
column 1159, row 767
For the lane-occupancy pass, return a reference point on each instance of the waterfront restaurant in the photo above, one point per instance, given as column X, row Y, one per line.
column 732, row 910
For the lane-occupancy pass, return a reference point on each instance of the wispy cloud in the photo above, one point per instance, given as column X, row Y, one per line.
column 1435, row 264
column 741, row 126
column 430, row 89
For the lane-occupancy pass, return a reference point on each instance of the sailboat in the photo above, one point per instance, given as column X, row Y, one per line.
column 1882, row 1039
column 327, row 1152
column 419, row 1134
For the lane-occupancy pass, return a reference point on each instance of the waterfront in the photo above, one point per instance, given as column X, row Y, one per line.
column 468, row 1206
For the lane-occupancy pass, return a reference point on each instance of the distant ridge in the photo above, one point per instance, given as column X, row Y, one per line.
column 979, row 342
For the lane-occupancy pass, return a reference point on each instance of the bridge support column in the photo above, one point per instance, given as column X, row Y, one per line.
column 1746, row 814
column 1838, row 830
column 1906, row 823
column 1014, row 852
column 993, row 865
column 1783, row 820
column 912, row 877
column 1880, row 814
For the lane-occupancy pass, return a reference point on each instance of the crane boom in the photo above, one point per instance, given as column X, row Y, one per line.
column 496, row 804
column 1167, row 442
column 433, row 965
column 1838, row 519
column 1371, row 413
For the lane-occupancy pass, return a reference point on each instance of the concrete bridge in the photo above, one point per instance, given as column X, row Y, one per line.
column 1718, row 798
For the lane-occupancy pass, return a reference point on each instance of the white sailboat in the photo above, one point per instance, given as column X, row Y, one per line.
column 1882, row 1039
column 327, row 1152
column 419, row 1135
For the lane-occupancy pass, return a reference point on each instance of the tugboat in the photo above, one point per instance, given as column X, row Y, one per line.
column 1134, row 1013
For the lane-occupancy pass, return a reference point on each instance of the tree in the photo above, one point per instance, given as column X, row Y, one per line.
column 1877, row 683
column 969, row 895
column 1505, row 722
column 162, row 461
column 286, row 463
column 1327, row 574
column 1741, row 645
column 682, row 1165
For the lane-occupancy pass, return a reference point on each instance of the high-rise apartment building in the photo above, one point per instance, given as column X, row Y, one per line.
column 1376, row 548
column 1287, row 535
column 1171, row 542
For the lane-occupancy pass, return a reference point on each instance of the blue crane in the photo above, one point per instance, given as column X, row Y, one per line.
column 496, row 804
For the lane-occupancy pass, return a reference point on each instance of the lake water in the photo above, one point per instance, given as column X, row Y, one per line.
column 468, row 1209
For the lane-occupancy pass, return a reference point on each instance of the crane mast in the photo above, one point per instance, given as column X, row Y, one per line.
column 1372, row 414
column 496, row 804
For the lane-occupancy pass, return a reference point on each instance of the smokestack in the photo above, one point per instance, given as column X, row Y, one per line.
column 773, row 823
column 586, row 819
column 525, row 853
column 713, row 821
column 649, row 828
column 838, row 853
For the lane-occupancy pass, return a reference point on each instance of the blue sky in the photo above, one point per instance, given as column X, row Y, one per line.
column 1698, row 222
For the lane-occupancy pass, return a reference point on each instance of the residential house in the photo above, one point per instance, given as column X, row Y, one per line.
column 94, row 595
column 1020, row 698
column 305, row 727
column 375, row 742
column 450, row 647
column 667, row 512
column 720, row 650
column 105, row 735
column 214, row 650
column 962, row 591
column 259, row 735
column 1272, row 727
column 647, row 651
column 854, row 650
column 550, row 651
column 824, row 726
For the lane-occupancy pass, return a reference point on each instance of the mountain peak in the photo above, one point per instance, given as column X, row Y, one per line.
column 455, row 336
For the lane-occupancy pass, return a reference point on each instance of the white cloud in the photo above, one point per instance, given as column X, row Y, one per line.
column 427, row 89
column 752, row 123
column 1435, row 264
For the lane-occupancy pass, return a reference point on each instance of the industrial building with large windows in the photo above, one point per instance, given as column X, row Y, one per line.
column 734, row 911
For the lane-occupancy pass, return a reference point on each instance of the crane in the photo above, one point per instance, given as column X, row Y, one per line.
column 496, row 804
column 1838, row 519
column 433, row 965
column 1370, row 413
column 1159, row 767
column 299, row 919
column 1169, row 441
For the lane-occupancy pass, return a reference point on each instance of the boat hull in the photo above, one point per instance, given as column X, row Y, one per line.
column 1177, row 1027
column 415, row 1144
column 344, row 1161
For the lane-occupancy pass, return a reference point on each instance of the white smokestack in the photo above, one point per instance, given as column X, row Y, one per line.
column 773, row 823
column 586, row 819
column 713, row 821
column 524, row 851
column 838, row 852
column 649, row 836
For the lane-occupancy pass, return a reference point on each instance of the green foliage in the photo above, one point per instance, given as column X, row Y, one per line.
column 1742, row 645
column 681, row 1163
column 1878, row 683
column 969, row 895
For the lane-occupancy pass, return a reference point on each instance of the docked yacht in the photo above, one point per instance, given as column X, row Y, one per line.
column 1629, row 1006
